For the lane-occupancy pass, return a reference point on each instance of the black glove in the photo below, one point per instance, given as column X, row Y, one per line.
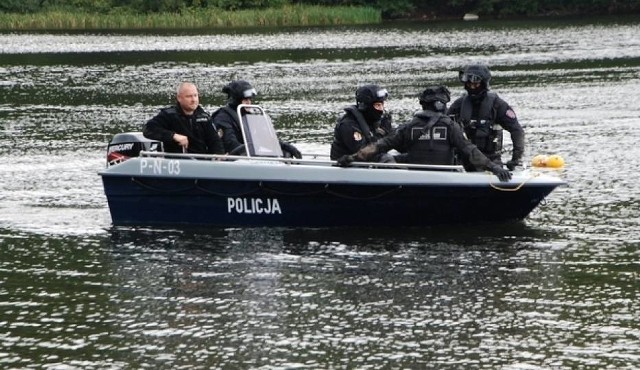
column 295, row 153
column 386, row 118
column 512, row 164
column 345, row 160
column 503, row 175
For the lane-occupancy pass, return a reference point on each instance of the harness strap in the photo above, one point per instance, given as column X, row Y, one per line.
column 362, row 123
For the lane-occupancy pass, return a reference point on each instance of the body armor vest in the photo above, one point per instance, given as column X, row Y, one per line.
column 481, row 129
column 429, row 133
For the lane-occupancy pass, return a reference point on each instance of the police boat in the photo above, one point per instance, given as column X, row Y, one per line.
column 145, row 186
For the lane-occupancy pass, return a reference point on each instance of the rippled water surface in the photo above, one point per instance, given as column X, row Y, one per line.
column 558, row 290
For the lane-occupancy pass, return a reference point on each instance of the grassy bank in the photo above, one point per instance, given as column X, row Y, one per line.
column 209, row 18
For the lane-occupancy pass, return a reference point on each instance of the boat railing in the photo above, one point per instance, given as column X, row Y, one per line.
column 316, row 159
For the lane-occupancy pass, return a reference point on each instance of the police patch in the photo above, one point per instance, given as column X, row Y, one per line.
column 220, row 132
column 439, row 133
column 511, row 114
column 357, row 136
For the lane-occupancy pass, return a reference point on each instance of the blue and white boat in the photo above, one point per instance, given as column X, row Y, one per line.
column 261, row 188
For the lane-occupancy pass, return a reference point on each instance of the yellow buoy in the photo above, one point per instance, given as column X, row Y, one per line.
column 555, row 161
column 539, row 161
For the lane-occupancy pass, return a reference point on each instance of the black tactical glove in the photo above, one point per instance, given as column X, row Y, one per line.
column 503, row 175
column 286, row 147
column 367, row 152
column 512, row 164
column 345, row 160
column 385, row 120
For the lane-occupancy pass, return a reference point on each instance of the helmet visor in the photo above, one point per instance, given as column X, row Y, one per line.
column 382, row 94
column 249, row 93
column 469, row 77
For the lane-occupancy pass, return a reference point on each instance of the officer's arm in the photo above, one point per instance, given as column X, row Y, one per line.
column 213, row 140
column 347, row 134
column 507, row 118
column 229, row 138
column 157, row 128
column 467, row 148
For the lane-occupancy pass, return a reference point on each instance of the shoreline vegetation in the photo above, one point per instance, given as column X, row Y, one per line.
column 46, row 15
column 290, row 15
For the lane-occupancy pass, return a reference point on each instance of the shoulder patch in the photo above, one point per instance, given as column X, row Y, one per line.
column 357, row 136
column 510, row 113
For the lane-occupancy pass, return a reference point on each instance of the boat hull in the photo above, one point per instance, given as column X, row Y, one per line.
column 165, row 192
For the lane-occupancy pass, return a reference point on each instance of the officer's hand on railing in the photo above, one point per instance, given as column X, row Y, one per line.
column 367, row 152
column 503, row 175
column 295, row 153
column 345, row 160
column 512, row 164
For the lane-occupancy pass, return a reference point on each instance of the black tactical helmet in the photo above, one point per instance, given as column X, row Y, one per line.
column 368, row 94
column 435, row 93
column 238, row 90
column 475, row 73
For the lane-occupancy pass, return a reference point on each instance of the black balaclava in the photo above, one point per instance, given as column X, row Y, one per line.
column 476, row 73
column 366, row 96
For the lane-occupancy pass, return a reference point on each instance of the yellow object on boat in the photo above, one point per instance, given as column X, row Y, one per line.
column 551, row 161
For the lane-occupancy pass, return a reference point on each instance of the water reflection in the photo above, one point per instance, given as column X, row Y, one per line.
column 305, row 296
column 557, row 290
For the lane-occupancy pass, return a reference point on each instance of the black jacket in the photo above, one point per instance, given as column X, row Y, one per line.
column 228, row 124
column 353, row 132
column 478, row 117
column 203, row 137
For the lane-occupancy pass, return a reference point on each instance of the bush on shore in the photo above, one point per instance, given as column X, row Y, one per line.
column 206, row 18
column 91, row 14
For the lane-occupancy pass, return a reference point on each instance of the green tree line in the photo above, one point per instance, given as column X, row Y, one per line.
column 389, row 8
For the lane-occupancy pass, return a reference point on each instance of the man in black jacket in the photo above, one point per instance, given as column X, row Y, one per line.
column 228, row 123
column 362, row 124
column 483, row 115
column 430, row 138
column 185, row 127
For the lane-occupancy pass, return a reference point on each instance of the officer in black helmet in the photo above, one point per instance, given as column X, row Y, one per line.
column 362, row 124
column 484, row 115
column 228, row 123
column 431, row 138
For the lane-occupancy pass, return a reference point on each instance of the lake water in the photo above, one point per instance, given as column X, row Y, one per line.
column 558, row 290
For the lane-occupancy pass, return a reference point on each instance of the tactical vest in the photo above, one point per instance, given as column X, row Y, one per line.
column 362, row 123
column 233, row 115
column 482, row 129
column 429, row 132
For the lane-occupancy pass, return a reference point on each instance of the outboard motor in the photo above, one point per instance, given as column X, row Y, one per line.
column 129, row 144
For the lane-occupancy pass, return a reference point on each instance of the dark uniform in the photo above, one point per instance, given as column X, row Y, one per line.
column 431, row 137
column 361, row 124
column 228, row 123
column 484, row 115
column 198, row 127
column 352, row 132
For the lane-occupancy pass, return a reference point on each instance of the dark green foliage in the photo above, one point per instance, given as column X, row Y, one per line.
column 20, row 6
column 389, row 8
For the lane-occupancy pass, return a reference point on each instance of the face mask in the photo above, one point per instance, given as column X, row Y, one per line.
column 372, row 115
